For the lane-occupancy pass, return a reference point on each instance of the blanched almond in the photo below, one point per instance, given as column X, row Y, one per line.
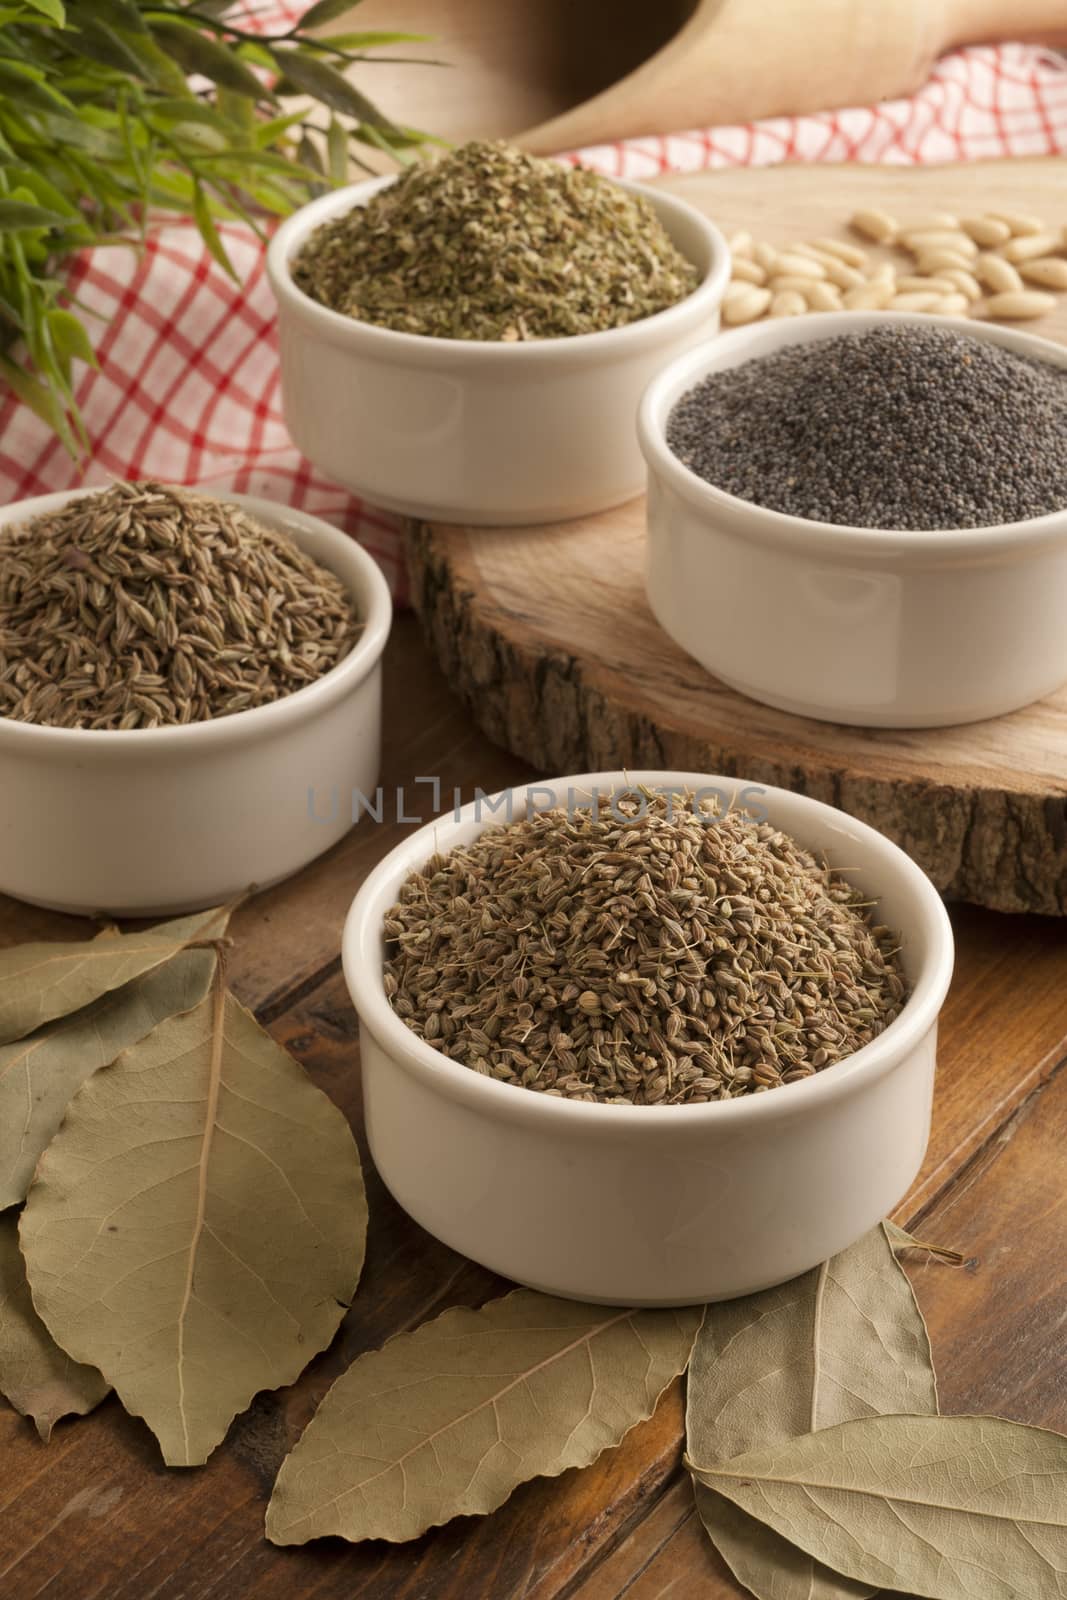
column 997, row 274
column 869, row 297
column 986, row 231
column 799, row 266
column 943, row 260
column 823, row 296
column 788, row 303
column 931, row 222
column 1033, row 245
column 952, row 305
column 876, row 225
column 963, row 282
column 741, row 244
column 751, row 302
column 1021, row 306
column 765, row 254
column 914, row 302
column 850, row 254
column 747, row 271
column 1019, row 222
column 940, row 239
column 918, row 283
column 1049, row 271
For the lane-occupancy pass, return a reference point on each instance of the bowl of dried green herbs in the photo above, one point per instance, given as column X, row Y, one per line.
column 471, row 340
column 648, row 1038
column 190, row 692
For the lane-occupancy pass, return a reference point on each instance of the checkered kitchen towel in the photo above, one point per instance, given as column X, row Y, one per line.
column 188, row 384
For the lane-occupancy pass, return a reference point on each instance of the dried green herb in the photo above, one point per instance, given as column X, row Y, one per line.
column 142, row 605
column 654, row 953
column 196, row 1228
column 954, row 1508
column 490, row 243
column 448, row 1420
column 845, row 1340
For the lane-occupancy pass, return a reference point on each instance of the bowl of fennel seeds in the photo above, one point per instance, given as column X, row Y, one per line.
column 862, row 516
column 189, row 695
column 647, row 1038
column 470, row 340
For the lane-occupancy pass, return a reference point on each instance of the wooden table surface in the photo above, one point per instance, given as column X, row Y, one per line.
column 96, row 1514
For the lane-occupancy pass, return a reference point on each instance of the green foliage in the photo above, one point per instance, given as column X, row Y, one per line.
column 100, row 124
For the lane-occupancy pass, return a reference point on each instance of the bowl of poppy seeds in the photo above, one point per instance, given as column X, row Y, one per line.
column 647, row 1038
column 189, row 690
column 862, row 517
column 470, row 340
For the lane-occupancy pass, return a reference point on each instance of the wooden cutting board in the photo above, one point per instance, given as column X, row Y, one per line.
column 546, row 633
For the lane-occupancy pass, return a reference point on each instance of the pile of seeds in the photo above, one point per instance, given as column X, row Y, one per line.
column 490, row 243
column 908, row 426
column 665, row 958
column 1001, row 264
column 142, row 606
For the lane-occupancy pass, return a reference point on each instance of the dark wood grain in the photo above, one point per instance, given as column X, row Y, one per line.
column 95, row 1516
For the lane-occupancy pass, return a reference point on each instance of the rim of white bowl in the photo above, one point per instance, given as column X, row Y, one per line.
column 421, row 347
column 347, row 560
column 510, row 1102
column 778, row 527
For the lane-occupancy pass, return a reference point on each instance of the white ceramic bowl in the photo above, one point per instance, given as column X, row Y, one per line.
column 480, row 431
column 856, row 625
column 654, row 1205
column 158, row 820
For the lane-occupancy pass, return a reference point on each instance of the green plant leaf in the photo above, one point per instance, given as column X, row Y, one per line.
column 199, row 52
column 209, row 233
column 70, row 338
column 324, row 11
column 196, row 1227
column 39, row 1378
column 52, row 9
column 326, row 84
column 39, row 982
column 337, row 152
column 844, row 1340
column 19, row 216
column 953, row 1508
column 372, row 40
column 40, row 1075
column 448, row 1420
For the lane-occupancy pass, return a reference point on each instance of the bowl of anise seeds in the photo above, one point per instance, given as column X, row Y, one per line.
column 651, row 1038
column 469, row 341
column 190, row 692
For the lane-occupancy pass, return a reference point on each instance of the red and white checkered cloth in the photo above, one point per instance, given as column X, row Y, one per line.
column 188, row 386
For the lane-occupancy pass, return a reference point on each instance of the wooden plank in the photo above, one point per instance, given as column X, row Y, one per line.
column 996, row 1325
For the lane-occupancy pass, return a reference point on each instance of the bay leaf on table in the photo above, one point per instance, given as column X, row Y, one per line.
column 448, row 1420
column 845, row 1340
column 37, row 1376
column 39, row 982
column 953, row 1508
column 196, row 1227
column 39, row 1074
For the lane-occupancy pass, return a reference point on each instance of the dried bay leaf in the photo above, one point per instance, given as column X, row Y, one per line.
column 448, row 1420
column 37, row 1377
column 953, row 1508
column 196, row 1228
column 900, row 1239
column 40, row 982
column 845, row 1340
column 39, row 1074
